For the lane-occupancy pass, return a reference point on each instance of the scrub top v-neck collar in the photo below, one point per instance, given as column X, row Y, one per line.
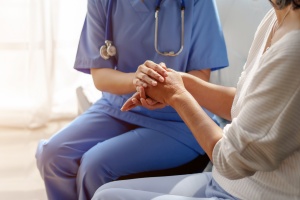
column 139, row 6
column 142, row 9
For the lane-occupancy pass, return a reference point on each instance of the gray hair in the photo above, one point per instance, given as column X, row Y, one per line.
column 280, row 4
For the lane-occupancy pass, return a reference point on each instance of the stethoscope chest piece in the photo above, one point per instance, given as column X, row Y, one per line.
column 108, row 50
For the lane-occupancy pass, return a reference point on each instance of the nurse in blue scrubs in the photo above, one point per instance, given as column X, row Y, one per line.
column 104, row 143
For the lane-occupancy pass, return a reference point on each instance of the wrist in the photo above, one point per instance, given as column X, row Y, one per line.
column 131, row 83
column 178, row 98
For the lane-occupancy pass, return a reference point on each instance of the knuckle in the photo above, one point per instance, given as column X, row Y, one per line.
column 140, row 67
column 149, row 71
column 147, row 62
column 144, row 76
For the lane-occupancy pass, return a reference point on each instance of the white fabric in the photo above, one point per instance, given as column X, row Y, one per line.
column 259, row 155
column 38, row 41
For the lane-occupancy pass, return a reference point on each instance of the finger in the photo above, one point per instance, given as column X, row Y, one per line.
column 129, row 107
column 145, row 104
column 146, row 76
column 151, row 107
column 138, row 82
column 151, row 101
column 160, row 68
column 156, row 71
column 142, row 92
column 163, row 65
column 129, row 104
column 136, row 101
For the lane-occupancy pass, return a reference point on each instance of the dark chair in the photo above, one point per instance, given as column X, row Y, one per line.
column 195, row 166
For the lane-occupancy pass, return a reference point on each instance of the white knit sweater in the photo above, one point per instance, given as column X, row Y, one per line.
column 259, row 154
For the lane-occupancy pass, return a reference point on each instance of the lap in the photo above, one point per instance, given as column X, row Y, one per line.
column 140, row 150
column 124, row 194
column 87, row 130
column 183, row 187
column 186, row 185
column 126, row 148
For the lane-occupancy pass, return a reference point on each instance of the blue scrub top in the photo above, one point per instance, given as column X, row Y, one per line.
column 133, row 25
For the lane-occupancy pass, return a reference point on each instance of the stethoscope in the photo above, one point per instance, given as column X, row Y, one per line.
column 171, row 53
column 109, row 50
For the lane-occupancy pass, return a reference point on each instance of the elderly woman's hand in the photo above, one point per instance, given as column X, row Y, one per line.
column 159, row 96
column 139, row 99
column 165, row 91
column 147, row 74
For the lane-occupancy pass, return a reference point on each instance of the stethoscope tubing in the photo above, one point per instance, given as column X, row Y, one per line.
column 108, row 26
column 158, row 2
column 109, row 36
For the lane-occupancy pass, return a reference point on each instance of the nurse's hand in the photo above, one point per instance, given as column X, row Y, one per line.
column 150, row 73
column 140, row 99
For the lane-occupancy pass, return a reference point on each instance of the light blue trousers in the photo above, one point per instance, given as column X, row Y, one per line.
column 95, row 149
column 184, row 187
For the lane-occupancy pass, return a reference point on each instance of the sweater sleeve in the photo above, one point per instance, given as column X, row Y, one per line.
column 266, row 130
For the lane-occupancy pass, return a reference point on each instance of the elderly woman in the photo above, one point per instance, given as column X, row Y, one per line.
column 257, row 156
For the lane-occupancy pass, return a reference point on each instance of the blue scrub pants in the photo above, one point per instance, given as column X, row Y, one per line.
column 95, row 149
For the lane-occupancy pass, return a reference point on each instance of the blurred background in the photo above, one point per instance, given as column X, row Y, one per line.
column 38, row 42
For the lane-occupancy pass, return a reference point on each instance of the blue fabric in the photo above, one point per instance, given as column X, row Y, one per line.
column 164, row 120
column 133, row 33
column 96, row 148
column 204, row 48
column 105, row 143
column 184, row 187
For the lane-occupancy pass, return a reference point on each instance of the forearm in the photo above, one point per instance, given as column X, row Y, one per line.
column 202, row 74
column 206, row 132
column 217, row 99
column 113, row 81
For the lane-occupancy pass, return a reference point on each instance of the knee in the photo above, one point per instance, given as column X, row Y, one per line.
column 97, row 167
column 42, row 154
column 47, row 157
column 93, row 172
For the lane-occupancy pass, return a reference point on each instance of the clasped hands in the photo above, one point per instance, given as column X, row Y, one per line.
column 156, row 85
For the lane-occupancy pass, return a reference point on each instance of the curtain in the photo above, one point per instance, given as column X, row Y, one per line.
column 38, row 42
